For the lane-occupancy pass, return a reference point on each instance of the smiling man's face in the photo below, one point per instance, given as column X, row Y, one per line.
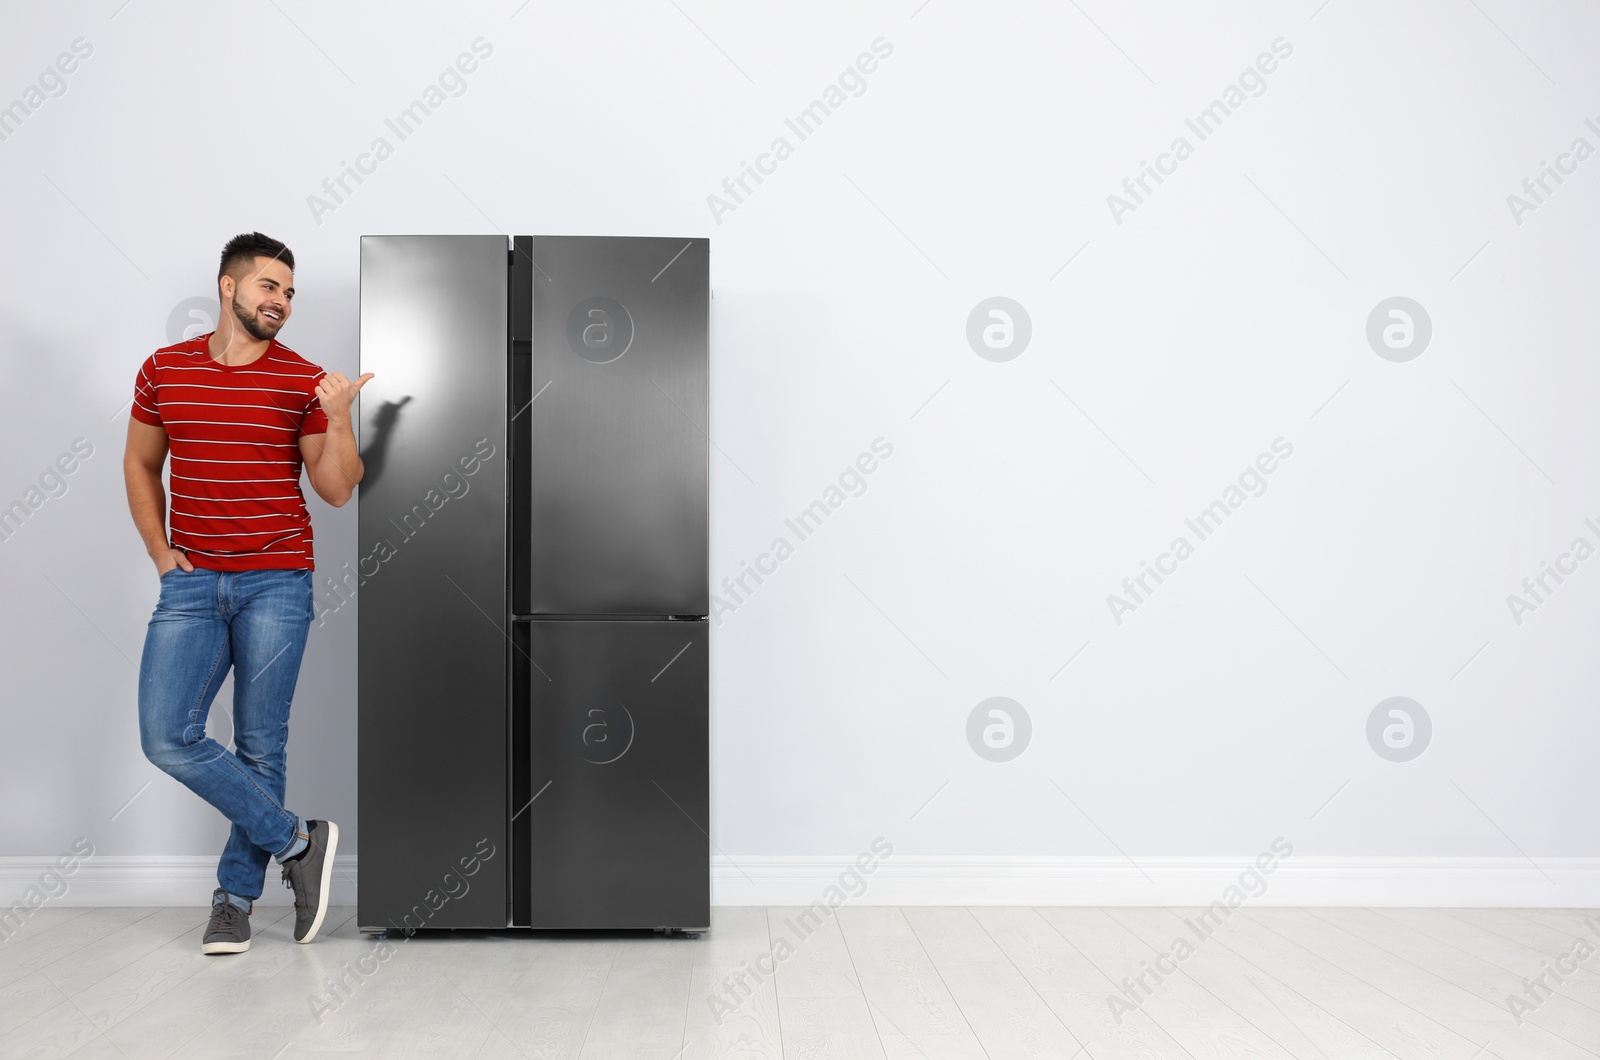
column 262, row 293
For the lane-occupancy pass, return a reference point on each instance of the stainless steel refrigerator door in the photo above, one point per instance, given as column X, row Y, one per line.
column 617, row 465
column 431, row 583
column 616, row 818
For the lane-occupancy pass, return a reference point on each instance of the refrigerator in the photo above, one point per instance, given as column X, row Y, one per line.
column 531, row 584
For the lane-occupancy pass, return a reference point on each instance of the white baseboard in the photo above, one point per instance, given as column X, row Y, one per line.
column 1300, row 879
column 162, row 880
column 906, row 879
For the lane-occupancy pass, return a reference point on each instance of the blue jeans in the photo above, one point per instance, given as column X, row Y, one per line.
column 206, row 621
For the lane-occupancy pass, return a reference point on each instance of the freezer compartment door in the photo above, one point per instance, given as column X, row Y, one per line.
column 430, row 580
column 613, row 811
column 616, row 446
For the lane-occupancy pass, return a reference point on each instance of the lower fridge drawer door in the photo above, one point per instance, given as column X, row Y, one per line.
column 611, row 813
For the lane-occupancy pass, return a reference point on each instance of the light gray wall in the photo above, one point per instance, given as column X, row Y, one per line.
column 1170, row 345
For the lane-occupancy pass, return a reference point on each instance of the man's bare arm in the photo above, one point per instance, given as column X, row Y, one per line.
column 142, row 460
column 333, row 465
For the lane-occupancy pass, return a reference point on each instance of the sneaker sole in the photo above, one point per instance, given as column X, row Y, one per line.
column 324, row 884
column 225, row 947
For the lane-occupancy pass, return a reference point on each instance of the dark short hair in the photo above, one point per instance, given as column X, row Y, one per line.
column 245, row 247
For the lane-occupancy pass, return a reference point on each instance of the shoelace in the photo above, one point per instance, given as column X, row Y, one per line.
column 224, row 917
column 301, row 906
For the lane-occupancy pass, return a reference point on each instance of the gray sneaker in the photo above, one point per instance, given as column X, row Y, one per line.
column 229, row 930
column 310, row 875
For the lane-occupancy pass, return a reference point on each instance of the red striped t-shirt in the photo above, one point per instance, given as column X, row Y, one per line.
column 233, row 433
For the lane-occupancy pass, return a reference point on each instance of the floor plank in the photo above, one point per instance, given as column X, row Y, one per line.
column 30, row 952
column 1006, row 995
column 1364, row 1005
column 733, row 989
column 822, row 1008
column 1465, row 970
column 1292, row 1021
column 1206, row 1027
column 854, row 983
column 644, row 1004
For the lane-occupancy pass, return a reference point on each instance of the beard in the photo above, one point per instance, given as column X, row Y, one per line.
column 257, row 325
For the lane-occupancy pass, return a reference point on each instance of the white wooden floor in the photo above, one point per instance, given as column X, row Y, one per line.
column 886, row 982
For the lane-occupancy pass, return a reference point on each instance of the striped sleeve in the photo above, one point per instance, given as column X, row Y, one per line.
column 145, row 407
column 314, row 420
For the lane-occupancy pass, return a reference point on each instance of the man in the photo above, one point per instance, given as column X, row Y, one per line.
column 240, row 414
